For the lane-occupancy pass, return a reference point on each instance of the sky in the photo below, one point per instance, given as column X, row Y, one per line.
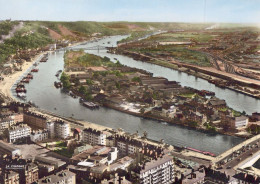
column 233, row 11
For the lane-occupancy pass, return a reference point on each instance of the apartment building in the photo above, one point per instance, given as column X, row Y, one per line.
column 160, row 170
column 6, row 123
column 62, row 129
column 18, row 132
column 93, row 137
column 35, row 119
column 51, row 129
column 58, row 128
column 39, row 135
column 17, row 117
column 9, row 177
column 127, row 145
column 29, row 174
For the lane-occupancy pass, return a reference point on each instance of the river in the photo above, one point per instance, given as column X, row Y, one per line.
column 43, row 93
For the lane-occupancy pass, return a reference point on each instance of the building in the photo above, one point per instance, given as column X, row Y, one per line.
column 127, row 145
column 122, row 163
column 9, row 177
column 96, row 155
column 239, row 122
column 256, row 116
column 112, row 155
column 57, row 163
column 19, row 132
column 6, row 123
column 17, row 117
column 110, row 141
column 8, row 149
column 29, row 174
column 35, row 119
column 62, row 177
column 116, row 180
column 51, row 129
column 62, row 129
column 247, row 178
column 160, row 170
column 94, row 137
column 217, row 103
column 58, row 128
column 39, row 135
column 197, row 177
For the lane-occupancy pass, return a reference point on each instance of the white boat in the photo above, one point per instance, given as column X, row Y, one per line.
column 21, row 95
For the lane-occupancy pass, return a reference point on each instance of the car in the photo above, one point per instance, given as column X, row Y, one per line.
column 228, row 167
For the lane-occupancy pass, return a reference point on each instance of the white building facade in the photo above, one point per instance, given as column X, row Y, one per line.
column 160, row 171
column 18, row 132
column 93, row 137
column 62, row 129
column 59, row 129
column 38, row 136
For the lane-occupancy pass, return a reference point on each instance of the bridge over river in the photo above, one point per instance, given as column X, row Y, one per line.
column 96, row 47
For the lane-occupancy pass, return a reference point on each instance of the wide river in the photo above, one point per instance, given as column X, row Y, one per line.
column 43, row 93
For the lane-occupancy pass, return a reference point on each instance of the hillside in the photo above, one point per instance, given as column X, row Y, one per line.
column 35, row 34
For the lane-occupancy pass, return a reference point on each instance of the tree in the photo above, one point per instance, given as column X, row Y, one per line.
column 72, row 145
column 106, row 59
column 65, row 79
column 136, row 79
column 89, row 81
column 82, row 89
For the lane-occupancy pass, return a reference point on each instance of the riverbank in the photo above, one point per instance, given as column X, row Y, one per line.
column 221, row 79
column 171, row 122
column 11, row 79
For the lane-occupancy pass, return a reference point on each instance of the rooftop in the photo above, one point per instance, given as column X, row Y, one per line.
column 7, row 147
column 55, row 178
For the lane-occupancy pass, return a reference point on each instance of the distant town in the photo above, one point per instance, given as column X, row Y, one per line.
column 93, row 71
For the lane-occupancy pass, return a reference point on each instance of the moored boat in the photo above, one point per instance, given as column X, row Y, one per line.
column 58, row 84
column 35, row 70
column 90, row 105
column 21, row 95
